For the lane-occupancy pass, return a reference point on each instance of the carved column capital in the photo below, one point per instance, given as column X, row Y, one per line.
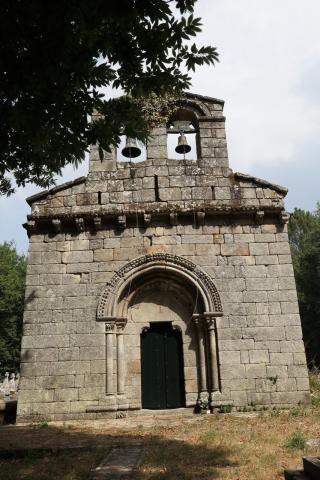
column 211, row 323
column 121, row 323
column 109, row 327
column 197, row 320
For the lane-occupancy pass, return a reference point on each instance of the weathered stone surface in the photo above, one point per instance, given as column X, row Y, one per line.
column 94, row 286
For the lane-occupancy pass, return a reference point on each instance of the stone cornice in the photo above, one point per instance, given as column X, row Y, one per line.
column 144, row 218
column 203, row 98
column 259, row 181
column 158, row 209
column 45, row 193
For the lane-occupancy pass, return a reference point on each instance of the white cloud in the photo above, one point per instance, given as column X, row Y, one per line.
column 266, row 48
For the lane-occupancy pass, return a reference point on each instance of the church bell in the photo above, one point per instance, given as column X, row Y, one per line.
column 131, row 149
column 183, row 146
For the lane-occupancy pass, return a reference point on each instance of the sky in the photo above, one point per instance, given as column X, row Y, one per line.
column 269, row 77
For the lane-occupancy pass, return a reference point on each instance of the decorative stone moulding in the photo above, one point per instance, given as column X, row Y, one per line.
column 120, row 219
column 108, row 308
column 113, row 310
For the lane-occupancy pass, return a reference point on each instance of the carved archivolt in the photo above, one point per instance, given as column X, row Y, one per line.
column 157, row 262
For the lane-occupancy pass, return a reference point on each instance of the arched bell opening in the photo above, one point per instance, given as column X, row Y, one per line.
column 183, row 134
column 154, row 290
column 130, row 150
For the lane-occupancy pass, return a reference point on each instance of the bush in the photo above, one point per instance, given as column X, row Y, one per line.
column 296, row 441
column 225, row 409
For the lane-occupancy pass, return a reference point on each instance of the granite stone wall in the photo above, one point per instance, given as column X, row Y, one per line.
column 231, row 227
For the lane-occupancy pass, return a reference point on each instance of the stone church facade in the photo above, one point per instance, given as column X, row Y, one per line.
column 182, row 252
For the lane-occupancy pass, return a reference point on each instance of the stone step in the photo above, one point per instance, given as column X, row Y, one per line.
column 119, row 463
column 173, row 412
column 311, row 467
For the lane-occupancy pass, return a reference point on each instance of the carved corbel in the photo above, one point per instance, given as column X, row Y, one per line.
column 31, row 227
column 259, row 217
column 200, row 218
column 122, row 222
column 173, row 218
column 284, row 216
column 147, row 219
column 97, row 222
column 80, row 224
column 56, row 225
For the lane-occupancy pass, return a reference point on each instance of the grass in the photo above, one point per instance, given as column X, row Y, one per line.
column 66, row 466
column 254, row 446
column 296, row 441
column 315, row 388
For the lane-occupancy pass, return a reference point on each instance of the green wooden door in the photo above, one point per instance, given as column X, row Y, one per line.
column 162, row 382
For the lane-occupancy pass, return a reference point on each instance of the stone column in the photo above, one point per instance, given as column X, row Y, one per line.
column 203, row 395
column 109, row 359
column 121, row 398
column 120, row 358
column 214, row 374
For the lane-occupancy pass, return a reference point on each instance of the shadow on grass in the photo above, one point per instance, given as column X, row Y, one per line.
column 163, row 457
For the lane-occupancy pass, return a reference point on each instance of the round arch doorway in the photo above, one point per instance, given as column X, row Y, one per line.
column 162, row 377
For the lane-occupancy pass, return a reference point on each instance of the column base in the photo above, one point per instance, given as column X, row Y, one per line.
column 108, row 402
column 122, row 402
column 203, row 398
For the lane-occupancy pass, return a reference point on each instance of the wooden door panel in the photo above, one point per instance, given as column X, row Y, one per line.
column 162, row 381
column 174, row 370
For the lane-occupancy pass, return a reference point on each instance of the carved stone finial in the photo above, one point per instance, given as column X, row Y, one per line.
column 284, row 216
column 80, row 224
column 259, row 217
column 173, row 218
column 56, row 225
column 122, row 222
column 97, row 222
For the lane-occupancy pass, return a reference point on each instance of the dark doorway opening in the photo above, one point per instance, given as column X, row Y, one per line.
column 162, row 379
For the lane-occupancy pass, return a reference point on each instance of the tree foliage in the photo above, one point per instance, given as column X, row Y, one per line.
column 12, row 283
column 56, row 56
column 304, row 235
